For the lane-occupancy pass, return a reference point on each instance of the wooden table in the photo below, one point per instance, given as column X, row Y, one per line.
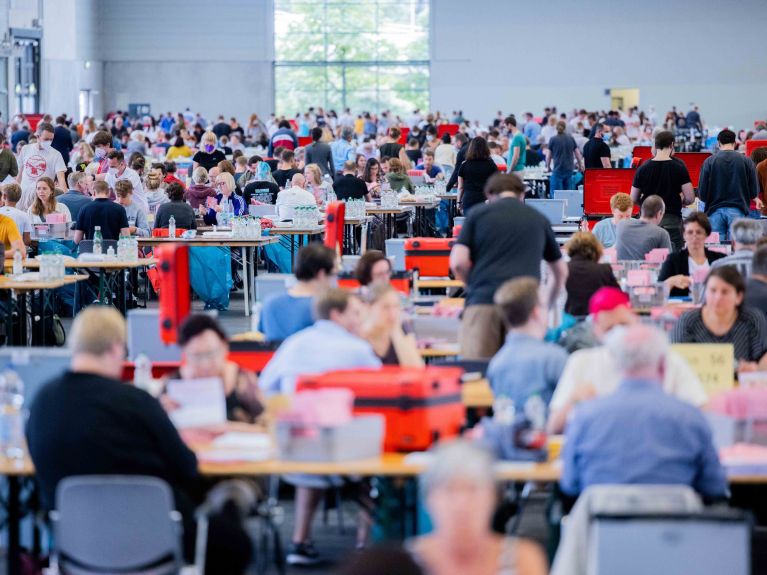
column 23, row 295
column 248, row 247
column 477, row 394
column 437, row 283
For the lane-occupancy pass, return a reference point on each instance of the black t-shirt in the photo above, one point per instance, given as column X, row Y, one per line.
column 261, row 191
column 207, row 160
column 475, row 174
column 507, row 239
column 348, row 187
column 414, row 155
column 390, row 150
column 85, row 424
column 283, row 177
column 665, row 179
column 593, row 152
column 105, row 213
column 221, row 129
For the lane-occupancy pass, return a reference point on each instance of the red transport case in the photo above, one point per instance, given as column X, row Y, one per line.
column 430, row 256
column 420, row 406
column 175, row 301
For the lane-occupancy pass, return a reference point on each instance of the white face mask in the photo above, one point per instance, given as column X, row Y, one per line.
column 429, row 138
column 45, row 145
column 112, row 171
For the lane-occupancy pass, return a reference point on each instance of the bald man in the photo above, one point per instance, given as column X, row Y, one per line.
column 296, row 195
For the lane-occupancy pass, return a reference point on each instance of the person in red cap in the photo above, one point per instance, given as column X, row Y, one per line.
column 591, row 372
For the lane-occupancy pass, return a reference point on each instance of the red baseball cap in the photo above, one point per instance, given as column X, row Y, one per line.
column 607, row 299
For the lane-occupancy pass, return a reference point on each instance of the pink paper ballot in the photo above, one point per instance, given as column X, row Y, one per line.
column 713, row 238
column 324, row 408
column 638, row 278
column 54, row 218
column 657, row 256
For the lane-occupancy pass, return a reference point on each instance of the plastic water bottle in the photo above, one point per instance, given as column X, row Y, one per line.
column 12, row 415
column 142, row 373
column 255, row 316
column 18, row 268
column 110, row 253
column 97, row 240
column 172, row 227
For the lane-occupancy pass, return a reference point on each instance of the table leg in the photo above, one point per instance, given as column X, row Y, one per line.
column 292, row 250
column 363, row 238
column 245, row 280
column 122, row 292
column 25, row 336
column 14, row 520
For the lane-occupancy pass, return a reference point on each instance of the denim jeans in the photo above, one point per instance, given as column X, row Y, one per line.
column 721, row 221
column 560, row 181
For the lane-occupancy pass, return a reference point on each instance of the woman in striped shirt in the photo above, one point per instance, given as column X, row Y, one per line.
column 724, row 319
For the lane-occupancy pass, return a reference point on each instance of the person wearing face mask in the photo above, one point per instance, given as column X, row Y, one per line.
column 119, row 170
column 208, row 156
column 102, row 145
column 40, row 160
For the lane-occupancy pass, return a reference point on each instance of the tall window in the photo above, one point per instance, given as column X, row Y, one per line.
column 367, row 55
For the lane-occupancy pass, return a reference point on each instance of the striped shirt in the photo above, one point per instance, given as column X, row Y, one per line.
column 748, row 334
column 741, row 259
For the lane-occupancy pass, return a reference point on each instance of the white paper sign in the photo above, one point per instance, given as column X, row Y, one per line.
column 201, row 402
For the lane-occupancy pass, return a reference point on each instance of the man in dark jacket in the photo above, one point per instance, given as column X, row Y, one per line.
column 62, row 139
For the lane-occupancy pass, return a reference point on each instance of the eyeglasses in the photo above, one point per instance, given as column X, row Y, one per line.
column 204, row 356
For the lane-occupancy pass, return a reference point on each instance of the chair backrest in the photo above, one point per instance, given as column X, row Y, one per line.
column 704, row 544
column 116, row 524
column 86, row 246
column 554, row 210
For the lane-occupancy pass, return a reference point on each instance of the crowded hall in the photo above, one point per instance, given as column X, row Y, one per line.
column 319, row 287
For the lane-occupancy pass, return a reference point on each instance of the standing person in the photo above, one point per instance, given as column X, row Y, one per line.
column 342, row 150
column 596, row 152
column 445, row 154
column 40, row 160
column 636, row 238
column 473, row 174
column 391, row 146
column 45, row 203
column 319, row 153
column 284, row 138
column 728, row 183
column 499, row 241
column 668, row 178
column 62, row 138
column 8, row 164
column 79, row 193
column 562, row 154
column 461, row 141
column 517, row 147
column 103, row 212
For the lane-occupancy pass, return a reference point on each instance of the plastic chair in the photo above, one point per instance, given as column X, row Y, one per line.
column 116, row 524
column 86, row 246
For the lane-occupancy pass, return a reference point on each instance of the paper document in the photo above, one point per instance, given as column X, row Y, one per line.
column 201, row 402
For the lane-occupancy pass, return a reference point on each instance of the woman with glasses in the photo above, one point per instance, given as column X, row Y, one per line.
column 205, row 351
column 225, row 195
column 680, row 268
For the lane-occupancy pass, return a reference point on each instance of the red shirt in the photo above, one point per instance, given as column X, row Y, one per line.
column 170, row 178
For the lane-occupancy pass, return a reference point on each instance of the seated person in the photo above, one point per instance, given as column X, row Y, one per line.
column 585, row 274
column 383, row 328
column 225, row 187
column 636, row 238
column 78, row 194
column 496, row 153
column 45, row 203
column 724, row 319
column 182, row 212
column 526, row 365
column 294, row 196
column 461, row 496
column 680, row 267
column 155, row 187
column 285, row 314
column 348, row 186
column 744, row 234
column 373, row 267
column 10, row 238
column 11, row 196
column 287, row 169
column 331, row 343
column 103, row 212
column 198, row 193
column 669, row 440
column 87, row 422
column 398, row 178
column 621, row 207
column 590, row 372
column 756, row 285
column 431, row 172
column 261, row 188
column 205, row 349
column 137, row 222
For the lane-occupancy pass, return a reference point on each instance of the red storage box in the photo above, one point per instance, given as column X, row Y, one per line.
column 601, row 184
column 752, row 145
column 642, row 152
column 694, row 162
column 420, row 406
column 430, row 256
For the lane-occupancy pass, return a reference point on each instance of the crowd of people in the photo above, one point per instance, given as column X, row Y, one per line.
column 604, row 378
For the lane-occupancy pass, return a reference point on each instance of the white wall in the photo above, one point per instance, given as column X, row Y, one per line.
column 214, row 57
column 518, row 55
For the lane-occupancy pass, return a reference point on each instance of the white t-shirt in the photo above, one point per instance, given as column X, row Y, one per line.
column 290, row 198
column 34, row 163
column 60, row 209
column 595, row 366
column 138, row 189
column 21, row 218
column 695, row 267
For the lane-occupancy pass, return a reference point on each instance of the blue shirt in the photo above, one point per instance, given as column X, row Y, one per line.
column 433, row 173
column 524, row 367
column 325, row 346
column 283, row 315
column 604, row 231
column 532, row 130
column 342, row 151
column 640, row 435
column 238, row 203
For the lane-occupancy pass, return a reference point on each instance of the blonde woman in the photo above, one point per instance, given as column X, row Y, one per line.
column 45, row 203
column 208, row 157
column 315, row 184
